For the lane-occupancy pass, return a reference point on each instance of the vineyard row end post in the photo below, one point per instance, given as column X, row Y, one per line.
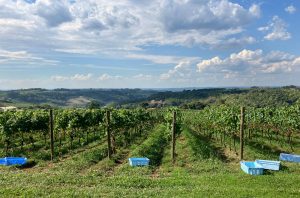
column 242, row 133
column 108, row 134
column 51, row 134
column 173, row 136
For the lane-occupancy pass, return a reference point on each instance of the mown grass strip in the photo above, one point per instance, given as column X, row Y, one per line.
column 202, row 146
column 154, row 146
column 107, row 166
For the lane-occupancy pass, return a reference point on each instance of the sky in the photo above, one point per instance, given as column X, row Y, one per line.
column 149, row 43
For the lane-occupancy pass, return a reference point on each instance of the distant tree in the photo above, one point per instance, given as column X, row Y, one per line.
column 40, row 106
column 144, row 104
column 93, row 105
column 193, row 105
column 290, row 87
column 112, row 105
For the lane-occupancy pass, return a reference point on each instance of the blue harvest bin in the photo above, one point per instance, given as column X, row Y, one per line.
column 252, row 168
column 139, row 161
column 2, row 161
column 289, row 157
column 268, row 164
column 8, row 161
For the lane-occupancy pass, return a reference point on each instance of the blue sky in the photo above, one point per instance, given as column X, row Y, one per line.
column 148, row 44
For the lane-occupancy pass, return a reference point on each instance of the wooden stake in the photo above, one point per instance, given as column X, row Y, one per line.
column 108, row 133
column 242, row 133
column 173, row 136
column 51, row 134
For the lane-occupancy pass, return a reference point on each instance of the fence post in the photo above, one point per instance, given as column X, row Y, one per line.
column 242, row 133
column 173, row 136
column 51, row 134
column 108, row 133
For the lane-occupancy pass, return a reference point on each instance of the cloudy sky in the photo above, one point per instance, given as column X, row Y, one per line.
column 149, row 43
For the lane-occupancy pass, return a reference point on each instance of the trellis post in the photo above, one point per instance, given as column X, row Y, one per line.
column 242, row 133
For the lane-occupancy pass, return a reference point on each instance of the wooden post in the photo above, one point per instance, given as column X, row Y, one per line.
column 242, row 133
column 108, row 133
column 173, row 136
column 51, row 134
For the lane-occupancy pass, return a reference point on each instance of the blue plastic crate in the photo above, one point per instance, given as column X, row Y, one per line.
column 289, row 157
column 139, row 161
column 268, row 164
column 2, row 161
column 252, row 168
column 8, row 161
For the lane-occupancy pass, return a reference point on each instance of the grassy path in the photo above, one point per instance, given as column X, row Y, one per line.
column 153, row 148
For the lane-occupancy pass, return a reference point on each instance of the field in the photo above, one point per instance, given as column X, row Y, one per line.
column 207, row 159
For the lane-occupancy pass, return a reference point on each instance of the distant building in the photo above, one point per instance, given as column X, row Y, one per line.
column 156, row 103
column 7, row 108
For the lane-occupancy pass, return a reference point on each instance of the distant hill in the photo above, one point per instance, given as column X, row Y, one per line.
column 71, row 97
column 249, row 97
column 196, row 93
column 262, row 97
column 186, row 98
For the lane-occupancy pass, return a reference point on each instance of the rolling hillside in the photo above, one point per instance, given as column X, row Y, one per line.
column 128, row 98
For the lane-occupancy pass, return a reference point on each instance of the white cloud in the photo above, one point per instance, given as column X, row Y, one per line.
column 104, row 77
column 206, row 15
column 205, row 64
column 160, row 59
column 102, row 27
column 143, row 77
column 53, row 12
column 231, row 75
column 76, row 77
column 10, row 57
column 263, row 29
column 255, row 10
column 234, row 43
column 107, row 77
column 108, row 14
column 78, row 51
column 250, row 62
column 81, row 77
column 290, row 9
column 276, row 30
column 16, row 23
column 278, row 56
column 59, row 78
column 14, row 54
column 154, row 58
column 93, row 24
column 182, row 71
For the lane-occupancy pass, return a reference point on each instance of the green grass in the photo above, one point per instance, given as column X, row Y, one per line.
column 154, row 146
column 85, row 174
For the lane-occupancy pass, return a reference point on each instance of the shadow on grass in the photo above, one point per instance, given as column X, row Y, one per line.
column 272, row 172
column 29, row 164
column 283, row 168
column 265, row 149
column 154, row 151
column 203, row 148
column 268, row 172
